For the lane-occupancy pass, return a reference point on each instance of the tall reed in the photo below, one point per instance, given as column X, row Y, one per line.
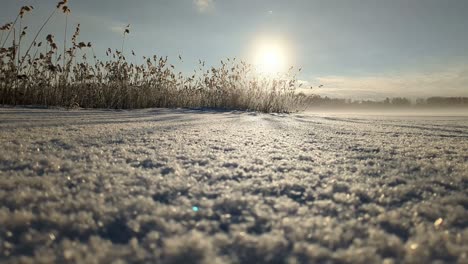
column 44, row 74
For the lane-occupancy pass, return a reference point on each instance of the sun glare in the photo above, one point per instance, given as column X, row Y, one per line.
column 270, row 60
column 271, row 56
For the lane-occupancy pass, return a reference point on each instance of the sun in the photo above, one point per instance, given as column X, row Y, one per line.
column 270, row 60
column 271, row 56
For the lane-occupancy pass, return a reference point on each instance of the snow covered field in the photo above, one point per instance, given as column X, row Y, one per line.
column 189, row 186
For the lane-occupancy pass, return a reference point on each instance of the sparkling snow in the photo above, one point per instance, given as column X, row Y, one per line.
column 194, row 186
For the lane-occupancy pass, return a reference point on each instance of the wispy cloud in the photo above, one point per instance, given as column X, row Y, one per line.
column 204, row 5
column 94, row 22
column 117, row 29
column 449, row 82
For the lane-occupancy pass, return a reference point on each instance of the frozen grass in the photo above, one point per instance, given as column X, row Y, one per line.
column 59, row 73
column 182, row 186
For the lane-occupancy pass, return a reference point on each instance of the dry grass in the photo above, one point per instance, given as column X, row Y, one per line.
column 56, row 74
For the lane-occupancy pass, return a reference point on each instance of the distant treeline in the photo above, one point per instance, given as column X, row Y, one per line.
column 316, row 100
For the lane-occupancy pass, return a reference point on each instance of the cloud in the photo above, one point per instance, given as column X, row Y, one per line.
column 204, row 5
column 95, row 23
column 449, row 82
column 117, row 29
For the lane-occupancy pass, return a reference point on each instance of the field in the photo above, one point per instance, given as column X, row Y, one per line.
column 205, row 186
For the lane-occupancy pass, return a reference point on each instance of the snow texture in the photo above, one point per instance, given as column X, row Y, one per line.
column 199, row 186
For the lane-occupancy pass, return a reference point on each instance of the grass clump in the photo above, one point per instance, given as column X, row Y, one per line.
column 59, row 74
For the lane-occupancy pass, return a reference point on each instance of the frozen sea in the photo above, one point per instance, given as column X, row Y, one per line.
column 205, row 186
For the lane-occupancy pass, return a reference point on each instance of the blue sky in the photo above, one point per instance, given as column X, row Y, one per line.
column 356, row 48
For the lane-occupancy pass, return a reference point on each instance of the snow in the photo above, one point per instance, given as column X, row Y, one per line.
column 204, row 186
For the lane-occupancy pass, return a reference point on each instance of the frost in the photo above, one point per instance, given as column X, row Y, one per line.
column 190, row 186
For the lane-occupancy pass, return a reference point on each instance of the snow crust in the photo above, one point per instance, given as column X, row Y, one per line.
column 203, row 186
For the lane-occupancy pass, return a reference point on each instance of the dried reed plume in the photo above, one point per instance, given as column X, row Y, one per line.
column 54, row 76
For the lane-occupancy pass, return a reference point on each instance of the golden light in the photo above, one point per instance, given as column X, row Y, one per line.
column 271, row 55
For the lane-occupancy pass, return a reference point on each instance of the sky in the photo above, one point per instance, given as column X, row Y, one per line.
column 360, row 49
